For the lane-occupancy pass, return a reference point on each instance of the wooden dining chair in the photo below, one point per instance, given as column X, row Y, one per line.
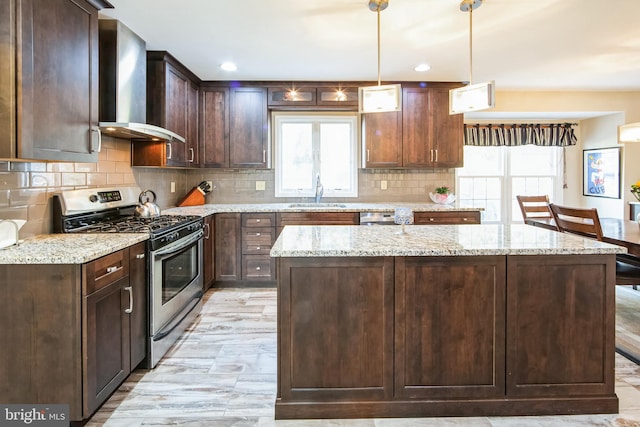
column 534, row 207
column 586, row 222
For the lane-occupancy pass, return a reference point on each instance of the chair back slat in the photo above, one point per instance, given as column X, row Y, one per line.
column 582, row 221
column 534, row 206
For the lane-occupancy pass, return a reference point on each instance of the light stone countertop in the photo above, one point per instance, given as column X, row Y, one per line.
column 68, row 248
column 209, row 209
column 432, row 240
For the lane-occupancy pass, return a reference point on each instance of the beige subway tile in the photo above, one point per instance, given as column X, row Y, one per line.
column 60, row 167
column 118, row 155
column 115, row 178
column 106, row 166
column 9, row 180
column 85, row 167
column 96, row 179
column 73, row 179
column 28, row 196
column 45, row 179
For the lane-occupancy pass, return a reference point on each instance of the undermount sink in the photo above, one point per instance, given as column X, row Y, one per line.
column 317, row 205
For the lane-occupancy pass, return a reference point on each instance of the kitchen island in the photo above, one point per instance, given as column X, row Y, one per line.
column 444, row 320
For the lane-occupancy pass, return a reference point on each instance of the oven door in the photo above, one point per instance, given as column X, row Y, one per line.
column 176, row 281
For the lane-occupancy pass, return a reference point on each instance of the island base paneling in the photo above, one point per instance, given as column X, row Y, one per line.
column 417, row 323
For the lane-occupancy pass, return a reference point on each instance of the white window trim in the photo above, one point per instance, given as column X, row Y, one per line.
column 327, row 117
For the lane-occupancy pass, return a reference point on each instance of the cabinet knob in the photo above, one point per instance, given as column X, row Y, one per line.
column 257, row 248
column 431, row 219
column 257, row 220
column 258, row 268
column 257, row 234
column 139, row 256
column 464, row 219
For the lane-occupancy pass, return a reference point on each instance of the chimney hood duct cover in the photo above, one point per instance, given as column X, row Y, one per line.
column 123, row 85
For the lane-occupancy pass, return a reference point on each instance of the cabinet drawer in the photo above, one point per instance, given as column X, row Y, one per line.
column 257, row 240
column 318, row 218
column 106, row 270
column 257, row 267
column 471, row 217
column 259, row 220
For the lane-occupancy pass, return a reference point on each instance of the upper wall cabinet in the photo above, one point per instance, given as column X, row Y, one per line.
column 422, row 135
column 332, row 96
column 172, row 103
column 248, row 127
column 50, row 110
column 214, row 125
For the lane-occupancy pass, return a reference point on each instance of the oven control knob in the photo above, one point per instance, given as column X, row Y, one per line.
column 93, row 198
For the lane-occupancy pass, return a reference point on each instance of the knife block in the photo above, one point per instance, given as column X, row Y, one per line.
column 195, row 197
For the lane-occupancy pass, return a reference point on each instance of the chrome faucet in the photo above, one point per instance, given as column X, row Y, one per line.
column 319, row 189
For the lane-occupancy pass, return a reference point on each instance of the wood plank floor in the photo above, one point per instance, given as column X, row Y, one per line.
column 223, row 373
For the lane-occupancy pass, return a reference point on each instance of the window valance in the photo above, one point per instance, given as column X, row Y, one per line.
column 496, row 135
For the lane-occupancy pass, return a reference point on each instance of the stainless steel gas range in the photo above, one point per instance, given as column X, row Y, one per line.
column 174, row 255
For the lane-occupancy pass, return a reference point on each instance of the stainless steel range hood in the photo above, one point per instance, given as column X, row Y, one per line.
column 123, row 85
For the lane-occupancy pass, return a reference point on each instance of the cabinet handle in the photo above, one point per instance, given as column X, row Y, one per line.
column 431, row 219
column 464, row 219
column 97, row 130
column 257, row 220
column 368, row 155
column 112, row 269
column 257, row 248
column 264, row 156
column 130, row 290
column 192, row 155
column 169, row 151
column 257, row 234
column 436, row 155
column 258, row 268
column 431, row 155
column 208, row 229
column 140, row 256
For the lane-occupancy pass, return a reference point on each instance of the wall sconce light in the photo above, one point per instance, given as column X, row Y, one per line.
column 472, row 97
column 380, row 98
column 629, row 132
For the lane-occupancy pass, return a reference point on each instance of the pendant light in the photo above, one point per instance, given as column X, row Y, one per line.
column 380, row 98
column 472, row 97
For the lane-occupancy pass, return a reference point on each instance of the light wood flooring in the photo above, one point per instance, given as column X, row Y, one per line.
column 222, row 372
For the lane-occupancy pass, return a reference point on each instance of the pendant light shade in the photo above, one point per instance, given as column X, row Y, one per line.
column 380, row 98
column 472, row 97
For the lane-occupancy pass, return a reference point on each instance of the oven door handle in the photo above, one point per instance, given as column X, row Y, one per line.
column 171, row 250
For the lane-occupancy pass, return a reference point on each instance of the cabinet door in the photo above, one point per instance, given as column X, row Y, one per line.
column 209, row 252
column 58, row 86
column 228, row 254
column 138, row 302
column 416, row 128
column 282, row 95
column 248, row 127
column 193, row 124
column 214, row 141
column 7, row 80
column 382, row 137
column 450, row 327
column 176, row 92
column 448, row 136
column 106, row 340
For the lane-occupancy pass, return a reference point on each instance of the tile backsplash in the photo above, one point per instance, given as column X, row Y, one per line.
column 26, row 187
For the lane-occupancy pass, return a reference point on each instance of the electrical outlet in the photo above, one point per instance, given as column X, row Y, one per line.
column 260, row 186
column 173, row 187
column 383, row 185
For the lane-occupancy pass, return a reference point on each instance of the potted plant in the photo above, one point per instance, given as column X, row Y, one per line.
column 635, row 190
column 442, row 195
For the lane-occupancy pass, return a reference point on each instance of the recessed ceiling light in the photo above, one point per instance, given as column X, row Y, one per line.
column 229, row 66
column 422, row 67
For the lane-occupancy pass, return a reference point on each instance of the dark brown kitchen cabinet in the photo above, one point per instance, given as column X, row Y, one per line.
column 172, row 104
column 80, row 314
column 258, row 235
column 209, row 251
column 248, row 134
column 193, row 125
column 432, row 360
column 422, row 135
column 214, row 137
column 49, row 80
column 292, row 96
column 228, row 250
column 430, row 136
column 382, row 137
column 444, row 217
column 333, row 96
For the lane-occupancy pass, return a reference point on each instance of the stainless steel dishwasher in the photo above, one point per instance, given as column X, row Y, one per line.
column 377, row 218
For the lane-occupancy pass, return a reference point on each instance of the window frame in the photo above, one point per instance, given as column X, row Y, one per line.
column 316, row 118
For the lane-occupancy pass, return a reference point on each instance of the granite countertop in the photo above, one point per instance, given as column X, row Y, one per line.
column 68, row 248
column 432, row 240
column 209, row 209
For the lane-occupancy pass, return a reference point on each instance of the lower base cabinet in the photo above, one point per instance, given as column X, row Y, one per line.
column 376, row 337
column 80, row 330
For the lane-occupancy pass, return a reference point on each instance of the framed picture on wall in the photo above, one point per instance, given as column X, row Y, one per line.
column 601, row 172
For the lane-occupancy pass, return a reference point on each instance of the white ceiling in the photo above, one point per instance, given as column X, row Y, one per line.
column 521, row 44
